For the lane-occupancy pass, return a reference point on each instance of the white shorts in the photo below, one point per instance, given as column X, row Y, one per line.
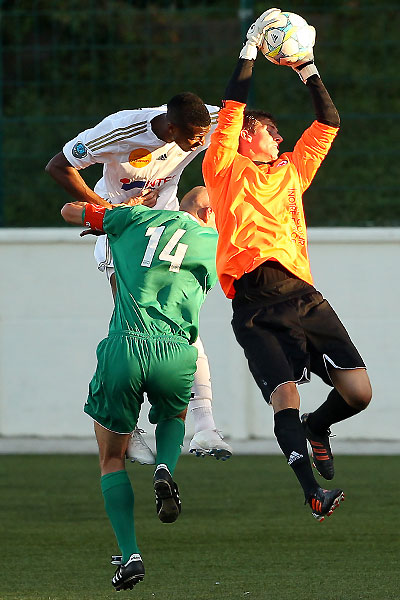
column 103, row 256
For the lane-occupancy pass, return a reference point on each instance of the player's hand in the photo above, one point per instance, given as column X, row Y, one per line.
column 308, row 58
column 306, row 67
column 254, row 34
column 90, row 232
column 149, row 197
column 146, row 197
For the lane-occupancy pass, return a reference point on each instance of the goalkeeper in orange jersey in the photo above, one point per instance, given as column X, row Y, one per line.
column 285, row 326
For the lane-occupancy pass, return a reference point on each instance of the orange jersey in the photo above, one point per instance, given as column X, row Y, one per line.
column 259, row 208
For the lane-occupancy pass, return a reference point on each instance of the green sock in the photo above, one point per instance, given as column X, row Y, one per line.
column 119, row 503
column 169, row 439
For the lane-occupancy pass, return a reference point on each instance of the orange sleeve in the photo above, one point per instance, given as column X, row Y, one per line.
column 310, row 151
column 225, row 140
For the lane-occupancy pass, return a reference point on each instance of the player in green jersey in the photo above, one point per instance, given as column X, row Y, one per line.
column 164, row 266
column 143, row 153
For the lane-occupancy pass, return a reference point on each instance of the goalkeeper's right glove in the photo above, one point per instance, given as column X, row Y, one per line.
column 254, row 34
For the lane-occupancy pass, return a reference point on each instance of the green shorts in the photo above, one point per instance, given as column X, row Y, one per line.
column 129, row 365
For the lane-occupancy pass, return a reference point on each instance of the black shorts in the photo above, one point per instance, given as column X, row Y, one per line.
column 288, row 330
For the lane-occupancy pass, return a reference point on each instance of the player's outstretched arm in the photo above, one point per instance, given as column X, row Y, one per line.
column 317, row 145
column 69, row 178
column 224, row 141
column 239, row 84
column 325, row 110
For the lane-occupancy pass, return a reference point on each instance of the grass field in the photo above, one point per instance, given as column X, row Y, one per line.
column 243, row 533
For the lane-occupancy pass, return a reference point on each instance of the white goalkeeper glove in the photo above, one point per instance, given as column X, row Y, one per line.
column 255, row 32
column 306, row 67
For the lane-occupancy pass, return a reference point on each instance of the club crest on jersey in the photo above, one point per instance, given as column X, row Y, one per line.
column 79, row 150
column 140, row 158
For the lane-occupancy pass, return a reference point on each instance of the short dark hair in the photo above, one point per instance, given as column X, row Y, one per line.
column 252, row 116
column 187, row 109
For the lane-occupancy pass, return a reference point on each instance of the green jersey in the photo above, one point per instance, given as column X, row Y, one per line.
column 164, row 265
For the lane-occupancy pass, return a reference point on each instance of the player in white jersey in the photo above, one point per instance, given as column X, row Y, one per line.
column 143, row 153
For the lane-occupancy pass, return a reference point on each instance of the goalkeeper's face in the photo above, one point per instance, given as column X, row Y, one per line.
column 190, row 137
column 263, row 143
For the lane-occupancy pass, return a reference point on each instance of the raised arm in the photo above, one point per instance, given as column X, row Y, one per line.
column 316, row 141
column 225, row 140
column 325, row 110
column 239, row 84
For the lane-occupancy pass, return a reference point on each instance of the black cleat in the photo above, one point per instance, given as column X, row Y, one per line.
column 321, row 450
column 168, row 504
column 129, row 574
column 324, row 502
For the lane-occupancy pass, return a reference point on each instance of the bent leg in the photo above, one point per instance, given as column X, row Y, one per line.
column 116, row 488
column 353, row 385
column 352, row 394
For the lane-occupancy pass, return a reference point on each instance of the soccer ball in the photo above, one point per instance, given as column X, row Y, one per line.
column 288, row 39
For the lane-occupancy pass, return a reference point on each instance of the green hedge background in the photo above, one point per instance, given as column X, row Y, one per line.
column 67, row 64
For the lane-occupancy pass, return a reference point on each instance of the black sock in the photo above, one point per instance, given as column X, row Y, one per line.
column 333, row 410
column 291, row 439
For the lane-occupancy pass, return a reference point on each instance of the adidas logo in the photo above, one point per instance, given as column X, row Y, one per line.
column 162, row 157
column 294, row 456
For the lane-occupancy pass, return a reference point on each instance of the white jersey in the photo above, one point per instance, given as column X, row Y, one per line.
column 134, row 158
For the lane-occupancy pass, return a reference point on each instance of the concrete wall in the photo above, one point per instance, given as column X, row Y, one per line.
column 55, row 307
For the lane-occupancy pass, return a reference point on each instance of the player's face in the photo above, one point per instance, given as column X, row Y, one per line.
column 190, row 138
column 265, row 142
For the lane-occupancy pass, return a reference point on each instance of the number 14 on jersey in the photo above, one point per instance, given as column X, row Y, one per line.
column 155, row 233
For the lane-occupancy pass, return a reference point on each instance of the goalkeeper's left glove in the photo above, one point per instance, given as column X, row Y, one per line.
column 306, row 67
column 254, row 34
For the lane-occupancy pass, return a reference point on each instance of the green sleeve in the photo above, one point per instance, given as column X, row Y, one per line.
column 118, row 219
